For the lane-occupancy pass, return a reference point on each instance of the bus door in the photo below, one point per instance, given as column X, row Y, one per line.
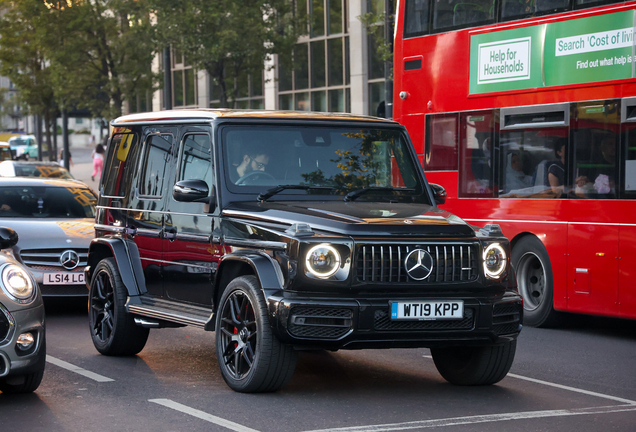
column 593, row 231
column 627, row 231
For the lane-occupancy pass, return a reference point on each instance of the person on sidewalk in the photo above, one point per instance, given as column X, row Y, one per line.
column 70, row 159
column 98, row 161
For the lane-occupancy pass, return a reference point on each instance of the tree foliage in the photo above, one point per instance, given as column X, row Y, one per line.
column 68, row 54
column 229, row 39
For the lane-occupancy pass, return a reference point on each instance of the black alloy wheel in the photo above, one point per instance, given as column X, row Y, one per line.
column 250, row 357
column 113, row 329
column 239, row 334
column 102, row 307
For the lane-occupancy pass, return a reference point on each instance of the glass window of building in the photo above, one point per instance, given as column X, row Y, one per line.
column 184, row 81
column 316, row 75
column 244, row 92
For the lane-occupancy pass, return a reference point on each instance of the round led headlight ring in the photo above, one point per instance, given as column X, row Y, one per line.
column 17, row 283
column 323, row 261
column 494, row 260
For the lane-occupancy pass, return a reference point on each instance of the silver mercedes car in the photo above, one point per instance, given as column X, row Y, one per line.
column 55, row 220
column 22, row 341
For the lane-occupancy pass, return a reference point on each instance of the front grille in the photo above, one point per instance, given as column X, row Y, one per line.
column 382, row 321
column 49, row 259
column 506, row 317
column 385, row 263
column 64, row 290
column 320, row 322
column 5, row 324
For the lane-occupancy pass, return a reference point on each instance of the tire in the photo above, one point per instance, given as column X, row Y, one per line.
column 25, row 383
column 251, row 359
column 113, row 330
column 534, row 278
column 473, row 366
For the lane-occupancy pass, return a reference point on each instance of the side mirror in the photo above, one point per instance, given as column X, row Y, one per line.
column 191, row 191
column 439, row 193
column 8, row 238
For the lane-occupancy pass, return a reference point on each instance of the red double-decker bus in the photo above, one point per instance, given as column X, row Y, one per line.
column 525, row 111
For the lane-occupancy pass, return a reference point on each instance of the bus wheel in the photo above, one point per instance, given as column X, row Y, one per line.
column 534, row 277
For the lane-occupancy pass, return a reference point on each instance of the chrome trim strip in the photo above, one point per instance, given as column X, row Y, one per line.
column 203, row 121
column 181, row 319
column 144, row 232
column 255, row 244
column 152, row 211
column 194, row 237
column 111, row 228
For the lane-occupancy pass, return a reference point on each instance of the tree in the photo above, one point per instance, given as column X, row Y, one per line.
column 23, row 58
column 229, row 39
column 101, row 53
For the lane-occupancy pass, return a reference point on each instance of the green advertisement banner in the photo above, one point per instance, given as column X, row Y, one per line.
column 583, row 50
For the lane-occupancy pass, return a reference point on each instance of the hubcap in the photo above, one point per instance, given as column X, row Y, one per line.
column 102, row 306
column 238, row 334
column 532, row 281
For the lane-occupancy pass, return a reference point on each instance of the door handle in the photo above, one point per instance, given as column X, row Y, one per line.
column 170, row 234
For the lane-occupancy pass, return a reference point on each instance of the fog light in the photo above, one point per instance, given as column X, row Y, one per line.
column 25, row 341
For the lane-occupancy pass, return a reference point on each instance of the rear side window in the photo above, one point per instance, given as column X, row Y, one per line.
column 120, row 163
column 154, row 168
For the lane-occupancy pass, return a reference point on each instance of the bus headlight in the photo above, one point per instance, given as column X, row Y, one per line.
column 323, row 261
column 494, row 260
column 17, row 283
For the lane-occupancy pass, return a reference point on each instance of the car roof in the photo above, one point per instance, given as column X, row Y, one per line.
column 38, row 163
column 41, row 181
column 204, row 115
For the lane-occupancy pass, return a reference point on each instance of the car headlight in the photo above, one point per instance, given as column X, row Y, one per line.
column 494, row 260
column 323, row 261
column 17, row 283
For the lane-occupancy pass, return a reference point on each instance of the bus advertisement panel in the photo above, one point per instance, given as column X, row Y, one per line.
column 525, row 111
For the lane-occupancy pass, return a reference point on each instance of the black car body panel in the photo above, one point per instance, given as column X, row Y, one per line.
column 338, row 226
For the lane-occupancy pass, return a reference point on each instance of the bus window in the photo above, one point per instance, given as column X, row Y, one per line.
column 416, row 18
column 462, row 13
column 441, row 142
column 476, row 151
column 595, row 141
column 551, row 6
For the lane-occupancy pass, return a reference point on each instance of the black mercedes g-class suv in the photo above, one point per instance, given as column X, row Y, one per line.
column 286, row 231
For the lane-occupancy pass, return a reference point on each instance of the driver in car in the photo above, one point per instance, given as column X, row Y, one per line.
column 254, row 159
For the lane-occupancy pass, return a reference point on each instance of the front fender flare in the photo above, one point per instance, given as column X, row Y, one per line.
column 126, row 255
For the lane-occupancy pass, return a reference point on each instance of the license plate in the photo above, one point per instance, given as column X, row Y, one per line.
column 64, row 278
column 427, row 310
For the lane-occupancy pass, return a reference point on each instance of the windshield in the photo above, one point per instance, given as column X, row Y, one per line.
column 328, row 160
column 18, row 142
column 46, row 202
column 33, row 170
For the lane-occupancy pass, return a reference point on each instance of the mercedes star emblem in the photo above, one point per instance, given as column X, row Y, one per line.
column 418, row 264
column 69, row 259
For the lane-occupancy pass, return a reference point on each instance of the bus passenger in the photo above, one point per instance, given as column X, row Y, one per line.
column 515, row 177
column 604, row 176
column 556, row 168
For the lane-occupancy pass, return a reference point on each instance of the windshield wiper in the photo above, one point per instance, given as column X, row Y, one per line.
column 356, row 193
column 273, row 191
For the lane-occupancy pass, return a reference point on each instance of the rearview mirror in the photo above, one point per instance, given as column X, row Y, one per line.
column 8, row 238
column 192, row 190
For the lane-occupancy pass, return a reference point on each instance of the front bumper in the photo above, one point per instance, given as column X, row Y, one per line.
column 12, row 360
column 329, row 323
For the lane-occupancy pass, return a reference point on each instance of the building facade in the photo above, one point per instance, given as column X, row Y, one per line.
column 337, row 69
